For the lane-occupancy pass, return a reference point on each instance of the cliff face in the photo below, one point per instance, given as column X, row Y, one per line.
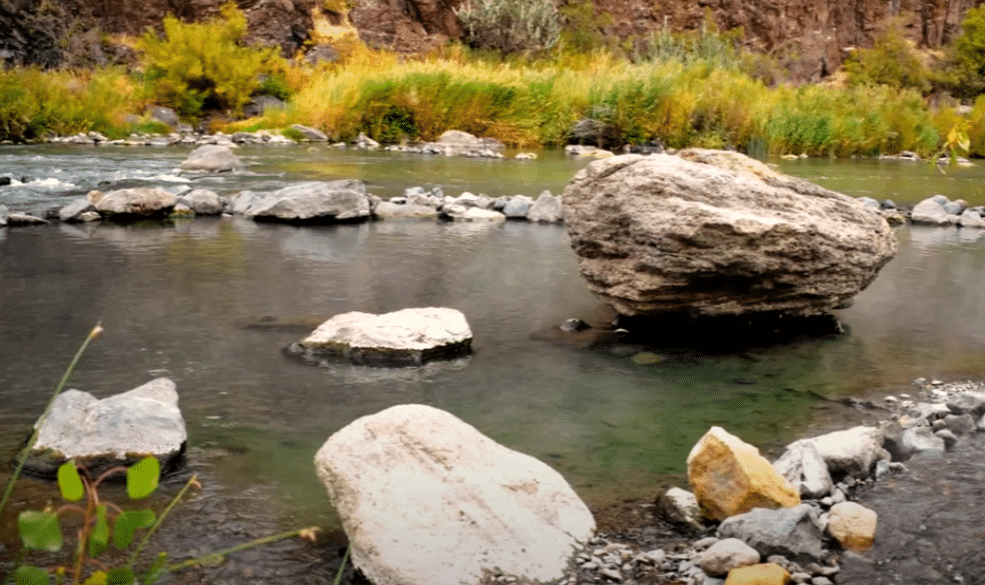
column 809, row 37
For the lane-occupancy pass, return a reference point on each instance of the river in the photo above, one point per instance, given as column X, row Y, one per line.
column 211, row 302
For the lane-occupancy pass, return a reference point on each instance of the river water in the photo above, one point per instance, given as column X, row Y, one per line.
column 211, row 302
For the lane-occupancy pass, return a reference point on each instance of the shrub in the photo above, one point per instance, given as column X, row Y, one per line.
column 510, row 26
column 891, row 61
column 204, row 66
column 966, row 76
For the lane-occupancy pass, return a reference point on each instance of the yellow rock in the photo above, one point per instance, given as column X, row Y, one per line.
column 762, row 574
column 853, row 525
column 729, row 477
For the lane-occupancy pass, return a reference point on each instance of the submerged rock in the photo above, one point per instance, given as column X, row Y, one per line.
column 114, row 431
column 403, row 338
column 308, row 202
column 712, row 233
column 427, row 499
column 127, row 204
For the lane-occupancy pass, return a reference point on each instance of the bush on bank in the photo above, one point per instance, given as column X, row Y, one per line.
column 684, row 90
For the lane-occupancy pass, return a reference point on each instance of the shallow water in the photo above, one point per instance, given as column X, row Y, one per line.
column 211, row 302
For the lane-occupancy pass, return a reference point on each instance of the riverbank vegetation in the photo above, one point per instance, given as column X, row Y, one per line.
column 692, row 89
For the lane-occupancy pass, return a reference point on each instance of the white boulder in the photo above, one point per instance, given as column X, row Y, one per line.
column 427, row 499
column 212, row 158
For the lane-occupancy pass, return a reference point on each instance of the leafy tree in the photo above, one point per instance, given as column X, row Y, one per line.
column 966, row 76
column 204, row 66
column 891, row 61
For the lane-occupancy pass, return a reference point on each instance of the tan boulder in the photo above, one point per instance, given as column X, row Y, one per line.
column 853, row 525
column 730, row 477
column 762, row 574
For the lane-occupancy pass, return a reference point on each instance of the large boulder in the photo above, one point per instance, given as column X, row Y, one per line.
column 712, row 233
column 202, row 202
column 114, row 431
column 308, row 202
column 139, row 202
column 851, row 452
column 401, row 338
column 730, row 477
column 426, row 499
column 212, row 158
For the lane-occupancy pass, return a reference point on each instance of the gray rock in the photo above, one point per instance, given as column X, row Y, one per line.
column 547, row 209
column 717, row 233
column 517, row 207
column 953, row 207
column 725, row 555
column 4, row 214
column 963, row 424
column 949, row 438
column 260, row 104
column 850, row 452
column 387, row 209
column 366, row 143
column 595, row 132
column 309, row 133
column 126, row 204
column 971, row 219
column 24, row 219
column 888, row 204
column 980, row 425
column 680, row 507
column 930, row 211
column 74, row 210
column 870, row 202
column 121, row 429
column 791, row 532
column 406, row 337
column 940, row 199
column 804, row 467
column 212, row 158
column 920, row 440
column 308, row 202
column 929, row 411
column 164, row 115
column 472, row 507
column 972, row 403
column 202, row 202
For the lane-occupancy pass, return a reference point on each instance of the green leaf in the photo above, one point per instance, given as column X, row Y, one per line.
column 99, row 537
column 69, row 482
column 142, row 478
column 28, row 575
column 120, row 576
column 128, row 522
column 40, row 530
column 97, row 578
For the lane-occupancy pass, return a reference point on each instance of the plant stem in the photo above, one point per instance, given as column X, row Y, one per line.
column 228, row 551
column 345, row 557
column 22, row 458
column 153, row 529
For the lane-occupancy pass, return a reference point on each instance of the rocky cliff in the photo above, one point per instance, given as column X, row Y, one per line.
column 809, row 37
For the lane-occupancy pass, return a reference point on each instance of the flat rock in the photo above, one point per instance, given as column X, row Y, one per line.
column 852, row 525
column 762, row 574
column 386, row 209
column 212, row 158
column 118, row 430
column 406, row 337
column 725, row 555
column 426, row 499
column 126, row 204
column 308, row 202
column 730, row 477
column 713, row 233
column 790, row 532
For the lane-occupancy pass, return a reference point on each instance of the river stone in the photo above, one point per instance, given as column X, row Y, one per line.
column 714, row 233
column 790, row 532
column 930, row 211
column 308, row 202
column 4, row 214
column 24, row 219
column 730, row 477
column 386, row 209
column 212, row 158
column 118, row 430
column 406, row 337
column 921, row 440
column 135, row 203
column 202, row 202
column 804, row 467
column 725, row 555
column 546, row 209
column 762, row 574
column 972, row 403
column 681, row 507
column 517, row 207
column 72, row 211
column 971, row 219
column 427, row 499
column 478, row 214
column 850, row 452
column 852, row 525
column 309, row 133
column 963, row 424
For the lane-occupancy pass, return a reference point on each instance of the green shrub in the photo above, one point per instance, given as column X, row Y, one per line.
column 966, row 75
column 891, row 61
column 510, row 26
column 203, row 66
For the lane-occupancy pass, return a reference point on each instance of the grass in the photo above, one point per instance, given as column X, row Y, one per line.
column 681, row 100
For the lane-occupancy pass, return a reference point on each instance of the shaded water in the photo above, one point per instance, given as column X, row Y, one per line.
column 211, row 302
